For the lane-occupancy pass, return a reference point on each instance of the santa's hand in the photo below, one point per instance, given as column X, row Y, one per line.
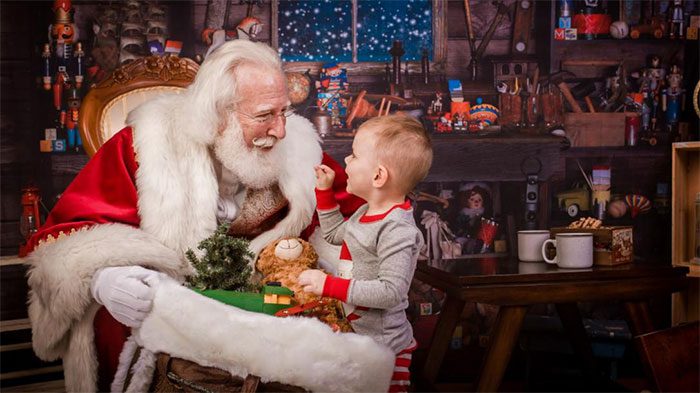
column 312, row 281
column 324, row 177
column 126, row 291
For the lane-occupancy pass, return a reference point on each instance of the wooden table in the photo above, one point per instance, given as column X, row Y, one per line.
column 514, row 286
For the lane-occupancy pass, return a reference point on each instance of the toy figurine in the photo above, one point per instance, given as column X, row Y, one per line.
column 672, row 98
column 71, row 122
column 436, row 104
column 62, row 33
column 332, row 83
column 676, row 22
column 475, row 203
column 444, row 125
column 651, row 82
column 63, row 72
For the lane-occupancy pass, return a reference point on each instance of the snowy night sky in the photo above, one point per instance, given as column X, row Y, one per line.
column 321, row 30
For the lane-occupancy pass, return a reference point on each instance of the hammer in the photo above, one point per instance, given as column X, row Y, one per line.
column 558, row 79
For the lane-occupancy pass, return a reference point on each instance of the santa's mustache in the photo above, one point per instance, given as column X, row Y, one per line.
column 266, row 142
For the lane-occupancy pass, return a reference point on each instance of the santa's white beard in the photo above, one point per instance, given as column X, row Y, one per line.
column 256, row 167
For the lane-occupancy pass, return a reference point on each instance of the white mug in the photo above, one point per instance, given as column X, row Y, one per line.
column 530, row 244
column 574, row 250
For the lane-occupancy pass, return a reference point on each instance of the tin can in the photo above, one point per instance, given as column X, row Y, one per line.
column 322, row 120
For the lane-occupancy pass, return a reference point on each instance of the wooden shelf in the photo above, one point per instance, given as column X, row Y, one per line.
column 14, row 324
column 498, row 157
column 503, row 137
column 623, row 41
column 694, row 268
column 618, row 151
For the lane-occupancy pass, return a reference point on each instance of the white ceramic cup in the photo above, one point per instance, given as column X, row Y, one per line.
column 574, row 250
column 530, row 245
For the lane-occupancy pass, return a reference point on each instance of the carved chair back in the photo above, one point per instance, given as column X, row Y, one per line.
column 104, row 109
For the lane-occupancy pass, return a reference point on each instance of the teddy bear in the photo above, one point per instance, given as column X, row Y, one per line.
column 284, row 260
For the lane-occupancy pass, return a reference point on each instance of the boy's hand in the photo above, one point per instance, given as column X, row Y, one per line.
column 324, row 177
column 312, row 281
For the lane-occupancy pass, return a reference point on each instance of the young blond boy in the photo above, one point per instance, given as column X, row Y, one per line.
column 390, row 155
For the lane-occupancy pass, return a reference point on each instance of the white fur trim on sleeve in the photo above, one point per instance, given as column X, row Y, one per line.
column 60, row 274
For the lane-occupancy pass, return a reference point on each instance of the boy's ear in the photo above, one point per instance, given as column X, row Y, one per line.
column 381, row 176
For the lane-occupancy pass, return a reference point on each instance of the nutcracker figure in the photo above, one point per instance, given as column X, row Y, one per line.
column 651, row 83
column 63, row 73
column 62, row 32
column 63, row 67
column 672, row 99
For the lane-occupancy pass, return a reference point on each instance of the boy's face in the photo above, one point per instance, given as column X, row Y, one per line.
column 361, row 164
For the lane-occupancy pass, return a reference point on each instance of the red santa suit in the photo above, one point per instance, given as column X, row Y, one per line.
column 145, row 198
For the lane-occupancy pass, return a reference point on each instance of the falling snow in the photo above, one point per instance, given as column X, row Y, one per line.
column 320, row 30
column 312, row 31
column 384, row 21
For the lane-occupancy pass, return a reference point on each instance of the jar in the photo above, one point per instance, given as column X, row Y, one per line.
column 322, row 120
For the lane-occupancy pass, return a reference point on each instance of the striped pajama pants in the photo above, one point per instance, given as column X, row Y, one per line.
column 401, row 379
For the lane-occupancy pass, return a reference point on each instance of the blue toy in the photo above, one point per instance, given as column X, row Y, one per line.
column 332, row 83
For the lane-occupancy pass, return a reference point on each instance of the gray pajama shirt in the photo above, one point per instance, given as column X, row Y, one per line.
column 384, row 249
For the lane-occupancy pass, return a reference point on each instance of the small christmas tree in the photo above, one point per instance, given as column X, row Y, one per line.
column 225, row 264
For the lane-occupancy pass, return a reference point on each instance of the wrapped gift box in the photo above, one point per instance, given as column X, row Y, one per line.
column 611, row 245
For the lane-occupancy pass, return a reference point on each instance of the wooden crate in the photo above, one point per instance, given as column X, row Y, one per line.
column 685, row 179
column 595, row 129
column 611, row 245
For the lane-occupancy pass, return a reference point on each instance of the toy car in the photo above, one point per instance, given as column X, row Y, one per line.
column 574, row 200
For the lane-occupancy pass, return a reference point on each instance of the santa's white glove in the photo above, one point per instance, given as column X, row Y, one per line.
column 126, row 291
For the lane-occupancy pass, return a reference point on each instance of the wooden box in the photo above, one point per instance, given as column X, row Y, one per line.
column 595, row 129
column 685, row 184
column 685, row 177
column 611, row 245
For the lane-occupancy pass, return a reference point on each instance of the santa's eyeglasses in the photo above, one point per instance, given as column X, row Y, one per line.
column 269, row 118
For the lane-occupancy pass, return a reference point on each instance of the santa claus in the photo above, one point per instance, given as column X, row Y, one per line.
column 228, row 148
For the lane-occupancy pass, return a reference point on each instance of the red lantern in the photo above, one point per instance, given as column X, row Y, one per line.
column 30, row 221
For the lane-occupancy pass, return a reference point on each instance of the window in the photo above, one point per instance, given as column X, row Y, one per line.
column 357, row 33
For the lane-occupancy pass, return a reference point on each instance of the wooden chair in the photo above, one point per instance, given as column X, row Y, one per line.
column 670, row 357
column 104, row 109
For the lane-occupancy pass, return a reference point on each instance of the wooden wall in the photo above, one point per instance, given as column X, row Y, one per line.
column 22, row 26
column 26, row 109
